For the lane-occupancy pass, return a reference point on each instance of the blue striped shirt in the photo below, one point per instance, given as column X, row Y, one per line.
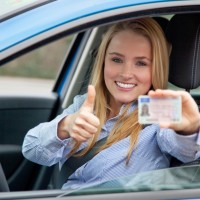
column 153, row 151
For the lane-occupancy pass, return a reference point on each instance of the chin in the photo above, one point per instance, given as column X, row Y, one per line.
column 127, row 101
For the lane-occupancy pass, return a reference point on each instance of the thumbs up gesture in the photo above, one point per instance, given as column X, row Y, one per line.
column 83, row 124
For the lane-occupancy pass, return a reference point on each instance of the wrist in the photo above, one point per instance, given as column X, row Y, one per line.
column 62, row 131
column 195, row 127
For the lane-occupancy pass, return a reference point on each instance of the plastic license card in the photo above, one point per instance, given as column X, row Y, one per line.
column 155, row 110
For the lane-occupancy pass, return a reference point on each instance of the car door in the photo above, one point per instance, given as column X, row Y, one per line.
column 32, row 87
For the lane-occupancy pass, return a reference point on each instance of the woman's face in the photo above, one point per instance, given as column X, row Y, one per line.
column 128, row 64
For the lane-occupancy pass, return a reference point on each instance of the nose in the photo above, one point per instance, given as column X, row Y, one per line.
column 127, row 71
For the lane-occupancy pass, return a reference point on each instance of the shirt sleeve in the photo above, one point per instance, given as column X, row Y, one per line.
column 186, row 148
column 41, row 144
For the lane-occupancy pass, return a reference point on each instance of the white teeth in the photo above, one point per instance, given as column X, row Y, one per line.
column 125, row 85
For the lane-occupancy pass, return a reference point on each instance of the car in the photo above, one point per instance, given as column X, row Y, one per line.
column 47, row 48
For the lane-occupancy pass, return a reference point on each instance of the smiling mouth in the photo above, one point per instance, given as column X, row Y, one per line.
column 125, row 85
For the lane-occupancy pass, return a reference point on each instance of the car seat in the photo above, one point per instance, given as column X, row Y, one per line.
column 183, row 32
column 163, row 22
column 3, row 182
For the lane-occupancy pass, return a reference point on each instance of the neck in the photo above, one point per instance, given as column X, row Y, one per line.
column 112, row 114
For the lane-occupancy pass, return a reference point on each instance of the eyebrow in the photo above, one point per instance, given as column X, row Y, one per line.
column 115, row 53
column 139, row 57
column 143, row 57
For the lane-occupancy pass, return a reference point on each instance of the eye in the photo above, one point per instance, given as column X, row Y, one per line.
column 141, row 63
column 117, row 60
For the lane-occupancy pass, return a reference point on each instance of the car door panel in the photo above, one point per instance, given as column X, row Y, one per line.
column 21, row 112
column 18, row 114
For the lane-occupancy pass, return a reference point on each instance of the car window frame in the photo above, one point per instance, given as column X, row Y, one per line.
column 94, row 20
column 19, row 10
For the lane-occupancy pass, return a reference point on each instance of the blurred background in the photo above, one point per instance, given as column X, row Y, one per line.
column 35, row 71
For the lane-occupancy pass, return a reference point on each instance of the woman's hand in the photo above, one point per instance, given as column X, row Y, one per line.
column 190, row 113
column 83, row 124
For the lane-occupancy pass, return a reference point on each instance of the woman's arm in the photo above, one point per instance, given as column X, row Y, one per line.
column 83, row 124
column 190, row 113
column 181, row 140
column 42, row 144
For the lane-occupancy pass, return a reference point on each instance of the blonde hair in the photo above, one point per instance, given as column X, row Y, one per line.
column 127, row 124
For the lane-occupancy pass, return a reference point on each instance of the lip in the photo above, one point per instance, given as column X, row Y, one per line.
column 125, row 86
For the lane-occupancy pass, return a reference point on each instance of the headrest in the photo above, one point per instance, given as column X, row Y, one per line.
column 163, row 22
column 183, row 33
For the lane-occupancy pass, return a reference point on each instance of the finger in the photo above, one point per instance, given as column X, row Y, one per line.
column 89, row 118
column 79, row 132
column 85, row 134
column 78, row 138
column 88, row 104
column 164, row 93
column 171, row 125
column 185, row 96
column 89, row 127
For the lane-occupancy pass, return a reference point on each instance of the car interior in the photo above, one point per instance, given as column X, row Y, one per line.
column 19, row 174
column 187, row 79
column 3, row 183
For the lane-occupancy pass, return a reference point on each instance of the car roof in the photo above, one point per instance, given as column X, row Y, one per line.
column 54, row 14
column 12, row 8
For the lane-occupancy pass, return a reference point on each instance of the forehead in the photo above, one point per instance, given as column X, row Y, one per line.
column 129, row 35
column 131, row 40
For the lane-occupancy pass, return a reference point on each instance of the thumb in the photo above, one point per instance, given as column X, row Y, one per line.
column 90, row 99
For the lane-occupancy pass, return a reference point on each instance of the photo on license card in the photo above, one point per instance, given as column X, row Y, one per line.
column 156, row 110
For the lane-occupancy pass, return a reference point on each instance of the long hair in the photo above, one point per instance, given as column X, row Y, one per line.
column 127, row 124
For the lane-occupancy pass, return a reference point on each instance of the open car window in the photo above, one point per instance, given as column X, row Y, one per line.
column 36, row 71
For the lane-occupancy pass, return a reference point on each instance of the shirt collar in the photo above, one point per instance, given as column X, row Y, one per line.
column 131, row 108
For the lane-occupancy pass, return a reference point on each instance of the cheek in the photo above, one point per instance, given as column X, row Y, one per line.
column 146, row 78
column 106, row 74
column 109, row 72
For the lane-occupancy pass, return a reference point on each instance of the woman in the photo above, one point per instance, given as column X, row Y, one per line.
column 132, row 60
